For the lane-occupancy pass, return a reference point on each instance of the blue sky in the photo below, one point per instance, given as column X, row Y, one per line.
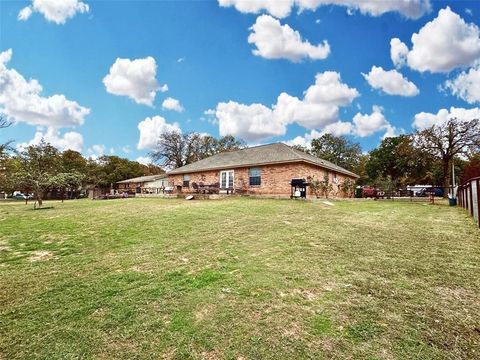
column 262, row 71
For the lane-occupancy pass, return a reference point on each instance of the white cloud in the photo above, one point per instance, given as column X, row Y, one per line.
column 172, row 104
column 369, row 124
column 424, row 120
column 25, row 13
column 68, row 141
column 398, row 52
column 281, row 8
column 98, row 149
column 391, row 82
column 57, row 11
column 126, row 149
column 151, row 128
column 318, row 108
column 466, row 85
column 443, row 44
column 276, row 41
column 21, row 100
column 144, row 160
column 135, row 79
column 248, row 122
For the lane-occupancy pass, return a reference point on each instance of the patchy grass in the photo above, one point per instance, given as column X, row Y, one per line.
column 238, row 279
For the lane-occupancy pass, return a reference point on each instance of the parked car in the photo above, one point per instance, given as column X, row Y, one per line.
column 21, row 196
column 372, row 192
column 435, row 190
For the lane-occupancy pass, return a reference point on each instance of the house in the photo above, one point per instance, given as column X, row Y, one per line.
column 260, row 170
column 138, row 184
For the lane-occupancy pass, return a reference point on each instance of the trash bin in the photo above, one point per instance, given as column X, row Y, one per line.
column 359, row 192
column 452, row 201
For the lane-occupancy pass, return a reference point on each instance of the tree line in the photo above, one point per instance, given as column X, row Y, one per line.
column 424, row 157
column 42, row 168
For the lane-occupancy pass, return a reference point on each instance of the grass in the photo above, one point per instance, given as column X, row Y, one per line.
column 238, row 279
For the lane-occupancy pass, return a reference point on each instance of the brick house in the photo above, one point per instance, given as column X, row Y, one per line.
column 260, row 170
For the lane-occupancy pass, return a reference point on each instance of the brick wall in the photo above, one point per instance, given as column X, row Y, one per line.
column 275, row 179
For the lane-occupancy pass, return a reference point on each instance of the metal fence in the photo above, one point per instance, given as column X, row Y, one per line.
column 469, row 197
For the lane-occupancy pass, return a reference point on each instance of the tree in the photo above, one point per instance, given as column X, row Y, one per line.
column 107, row 170
column 38, row 166
column 337, row 150
column 398, row 160
column 69, row 181
column 176, row 150
column 73, row 161
column 449, row 139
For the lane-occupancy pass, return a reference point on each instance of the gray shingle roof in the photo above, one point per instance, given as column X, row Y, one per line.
column 142, row 179
column 259, row 155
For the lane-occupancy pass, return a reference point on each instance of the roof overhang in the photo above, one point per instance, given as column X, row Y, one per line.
column 186, row 171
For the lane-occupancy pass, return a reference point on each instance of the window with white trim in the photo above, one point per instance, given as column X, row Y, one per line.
column 186, row 180
column 255, row 176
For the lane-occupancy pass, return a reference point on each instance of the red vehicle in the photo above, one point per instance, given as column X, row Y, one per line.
column 371, row 192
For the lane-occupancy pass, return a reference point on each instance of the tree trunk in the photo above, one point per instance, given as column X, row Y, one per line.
column 40, row 201
column 446, row 177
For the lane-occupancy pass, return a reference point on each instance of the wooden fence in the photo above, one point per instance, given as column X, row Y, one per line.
column 469, row 197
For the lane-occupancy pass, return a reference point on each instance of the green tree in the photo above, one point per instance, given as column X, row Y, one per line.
column 338, row 150
column 107, row 170
column 399, row 160
column 38, row 166
column 70, row 181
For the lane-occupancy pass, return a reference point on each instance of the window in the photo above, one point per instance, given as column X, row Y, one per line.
column 226, row 179
column 186, row 180
column 335, row 178
column 255, row 176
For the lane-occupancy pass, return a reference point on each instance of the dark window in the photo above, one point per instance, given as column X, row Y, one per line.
column 255, row 176
column 186, row 181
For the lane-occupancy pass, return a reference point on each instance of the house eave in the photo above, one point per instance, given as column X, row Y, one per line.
column 181, row 172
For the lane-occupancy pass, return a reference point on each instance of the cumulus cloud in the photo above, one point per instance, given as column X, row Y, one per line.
column 97, row 149
column 21, row 100
column 390, row 82
column 398, row 52
column 68, row 141
column 318, row 108
column 144, row 160
column 466, row 85
column 172, row 104
column 443, row 44
column 56, row 11
column 363, row 125
column 276, row 41
column 425, row 120
column 369, row 124
column 135, row 79
column 279, row 9
column 151, row 128
column 409, row 8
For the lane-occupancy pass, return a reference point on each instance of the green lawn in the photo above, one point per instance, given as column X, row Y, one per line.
column 238, row 279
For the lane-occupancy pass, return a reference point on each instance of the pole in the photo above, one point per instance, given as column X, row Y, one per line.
column 453, row 181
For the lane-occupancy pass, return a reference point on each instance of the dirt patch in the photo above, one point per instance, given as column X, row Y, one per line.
column 40, row 255
column 204, row 313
